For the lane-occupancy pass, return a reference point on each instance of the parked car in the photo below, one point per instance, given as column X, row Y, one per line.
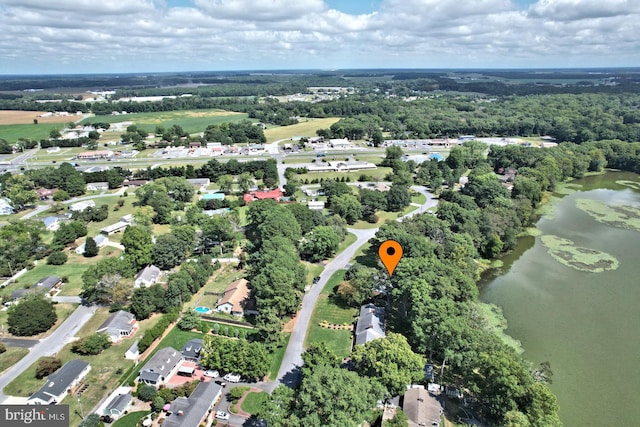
column 221, row 383
column 232, row 378
column 221, row 415
column 211, row 374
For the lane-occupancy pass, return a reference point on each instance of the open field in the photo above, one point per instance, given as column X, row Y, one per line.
column 192, row 121
column 11, row 357
column 307, row 128
column 15, row 117
column 377, row 174
column 12, row 133
column 330, row 308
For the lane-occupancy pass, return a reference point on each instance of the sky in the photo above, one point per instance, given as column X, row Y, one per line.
column 119, row 36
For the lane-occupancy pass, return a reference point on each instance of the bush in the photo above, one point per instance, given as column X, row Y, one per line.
column 93, row 344
column 31, row 316
column 57, row 258
column 3, row 348
column 47, row 366
column 146, row 393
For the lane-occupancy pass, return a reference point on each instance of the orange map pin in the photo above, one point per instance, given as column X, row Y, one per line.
column 390, row 253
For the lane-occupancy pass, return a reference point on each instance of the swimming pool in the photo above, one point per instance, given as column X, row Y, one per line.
column 202, row 310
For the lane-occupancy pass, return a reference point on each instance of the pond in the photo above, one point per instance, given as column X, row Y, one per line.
column 571, row 296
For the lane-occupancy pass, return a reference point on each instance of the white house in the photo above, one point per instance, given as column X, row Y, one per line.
column 160, row 367
column 114, row 228
column 316, row 205
column 147, row 276
column 80, row 206
column 236, row 299
column 60, row 383
column 133, row 352
column 118, row 325
column 97, row 186
column 5, row 206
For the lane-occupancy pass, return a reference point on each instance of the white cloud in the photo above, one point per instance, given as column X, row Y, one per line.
column 260, row 10
column 569, row 10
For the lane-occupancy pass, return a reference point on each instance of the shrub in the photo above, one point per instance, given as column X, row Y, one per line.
column 3, row 348
column 31, row 316
column 57, row 258
column 47, row 366
column 146, row 393
column 93, row 344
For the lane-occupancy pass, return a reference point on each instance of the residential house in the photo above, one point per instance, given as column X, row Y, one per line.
column 370, row 324
column 196, row 410
column 200, row 183
column 114, row 228
column 147, row 276
column 101, row 241
column 160, row 367
column 44, row 193
column 118, row 325
column 118, row 406
column 191, row 350
column 92, row 155
column 44, row 285
column 127, row 218
column 134, row 183
column 97, row 186
column 421, row 408
column 51, row 223
column 262, row 195
column 80, row 206
column 316, row 205
column 133, row 352
column 5, row 206
column 339, row 143
column 60, row 383
column 236, row 299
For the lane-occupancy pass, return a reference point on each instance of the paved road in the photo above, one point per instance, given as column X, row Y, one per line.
column 18, row 342
column 67, row 299
column 49, row 345
column 289, row 373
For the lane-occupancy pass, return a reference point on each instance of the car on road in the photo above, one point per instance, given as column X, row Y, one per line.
column 232, row 378
column 211, row 374
column 316, row 279
column 221, row 415
column 221, row 383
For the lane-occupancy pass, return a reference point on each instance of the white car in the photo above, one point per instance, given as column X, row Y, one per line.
column 211, row 374
column 221, row 415
column 232, row 378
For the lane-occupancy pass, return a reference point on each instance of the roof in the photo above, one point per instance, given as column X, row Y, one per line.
column 119, row 321
column 192, row 348
column 134, row 347
column 61, row 380
column 161, row 363
column 100, row 239
column 80, row 206
column 48, row 282
column 194, row 408
column 98, row 184
column 50, row 220
column 262, row 195
column 120, row 403
column 150, row 273
column 199, row 181
column 420, row 407
column 370, row 324
column 236, row 294
column 113, row 227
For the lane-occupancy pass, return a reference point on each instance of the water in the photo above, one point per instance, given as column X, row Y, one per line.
column 585, row 324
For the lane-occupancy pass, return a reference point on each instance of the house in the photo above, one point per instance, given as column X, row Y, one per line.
column 134, row 183
column 160, row 367
column 147, row 276
column 118, row 405
column 421, row 408
column 97, row 186
column 370, row 324
column 191, row 350
column 127, row 218
column 236, row 299
column 51, row 223
column 60, row 383
column 5, row 206
column 316, row 205
column 196, row 410
column 133, row 352
column 44, row 193
column 92, row 155
column 80, row 206
column 101, row 241
column 200, row 183
column 262, row 195
column 340, row 143
column 114, row 228
column 118, row 325
column 47, row 284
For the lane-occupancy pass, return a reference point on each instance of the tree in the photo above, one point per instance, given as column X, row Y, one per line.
column 93, row 344
column 321, row 243
column 91, row 420
column 225, row 183
column 399, row 420
column 61, row 196
column 398, row 198
column 245, row 181
column 32, row 315
column 189, row 320
column 138, row 246
column 146, row 393
column 390, row 360
column 277, row 410
column 359, row 285
column 57, row 258
column 319, row 354
column 157, row 403
column 20, row 190
column 143, row 217
column 90, row 248
column 218, row 230
column 168, row 252
column 347, row 206
column 3, row 348
column 47, row 365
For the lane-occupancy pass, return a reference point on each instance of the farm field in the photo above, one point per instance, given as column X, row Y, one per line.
column 12, row 133
column 17, row 117
column 306, row 128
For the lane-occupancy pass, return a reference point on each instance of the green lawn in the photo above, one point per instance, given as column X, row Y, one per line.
column 330, row 308
column 383, row 216
column 377, row 174
column 11, row 357
column 276, row 359
column 306, row 128
column 365, row 257
column 131, row 419
column 418, row 198
column 253, row 402
column 12, row 133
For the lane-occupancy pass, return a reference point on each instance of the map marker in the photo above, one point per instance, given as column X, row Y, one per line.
column 390, row 253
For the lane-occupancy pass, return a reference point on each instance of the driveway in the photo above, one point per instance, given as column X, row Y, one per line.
column 49, row 345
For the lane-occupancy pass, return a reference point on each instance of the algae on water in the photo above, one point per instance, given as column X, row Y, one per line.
column 622, row 216
column 631, row 184
column 584, row 259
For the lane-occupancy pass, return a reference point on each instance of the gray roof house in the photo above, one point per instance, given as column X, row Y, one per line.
column 370, row 324
column 421, row 408
column 194, row 410
column 60, row 383
column 51, row 223
column 147, row 276
column 160, row 367
column 119, row 325
column 43, row 285
column 191, row 350
column 133, row 353
column 118, row 405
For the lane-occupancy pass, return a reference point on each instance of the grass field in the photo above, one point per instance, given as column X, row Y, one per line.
column 377, row 174
column 192, row 121
column 329, row 308
column 12, row 133
column 130, row 420
column 276, row 358
column 253, row 402
column 306, row 128
column 11, row 357
column 18, row 117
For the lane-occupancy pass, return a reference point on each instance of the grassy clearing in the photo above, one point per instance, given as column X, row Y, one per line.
column 383, row 216
column 131, row 419
column 306, row 128
column 276, row 359
column 377, row 174
column 12, row 133
column 418, row 198
column 11, row 357
column 330, row 308
column 584, row 259
column 253, row 402
column 621, row 216
column 365, row 257
column 494, row 319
